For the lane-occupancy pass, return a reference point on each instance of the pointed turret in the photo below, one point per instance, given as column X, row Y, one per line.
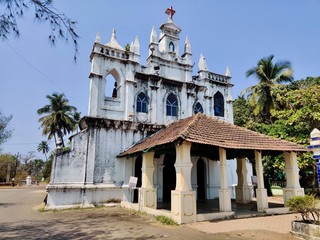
column 187, row 46
column 131, row 47
column 113, row 41
column 227, row 72
column 202, row 64
column 153, row 35
column 136, row 45
column 98, row 38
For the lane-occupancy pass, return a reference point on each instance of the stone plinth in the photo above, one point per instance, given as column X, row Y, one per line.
column 183, row 206
column 224, row 200
column 243, row 194
column 291, row 192
column 148, row 197
column 262, row 199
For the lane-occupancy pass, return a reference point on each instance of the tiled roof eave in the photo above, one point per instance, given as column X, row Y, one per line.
column 250, row 147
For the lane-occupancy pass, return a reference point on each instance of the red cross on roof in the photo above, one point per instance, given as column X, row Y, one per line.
column 170, row 12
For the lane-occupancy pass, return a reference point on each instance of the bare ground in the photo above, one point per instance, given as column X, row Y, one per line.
column 20, row 220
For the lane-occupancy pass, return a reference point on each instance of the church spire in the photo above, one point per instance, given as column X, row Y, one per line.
column 153, row 35
column 98, row 38
column 113, row 41
column 202, row 64
column 227, row 72
column 136, row 45
column 187, row 46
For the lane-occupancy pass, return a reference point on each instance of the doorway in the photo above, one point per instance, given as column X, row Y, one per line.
column 201, row 179
column 169, row 176
column 138, row 174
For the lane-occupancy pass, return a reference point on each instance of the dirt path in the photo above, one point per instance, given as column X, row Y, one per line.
column 20, row 220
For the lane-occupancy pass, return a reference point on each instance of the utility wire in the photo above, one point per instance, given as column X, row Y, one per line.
column 39, row 71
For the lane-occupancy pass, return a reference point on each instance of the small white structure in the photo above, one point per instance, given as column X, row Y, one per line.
column 28, row 181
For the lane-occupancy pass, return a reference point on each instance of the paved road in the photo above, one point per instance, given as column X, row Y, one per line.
column 20, row 219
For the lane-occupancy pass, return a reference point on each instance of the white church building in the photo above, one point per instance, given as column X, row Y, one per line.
column 145, row 101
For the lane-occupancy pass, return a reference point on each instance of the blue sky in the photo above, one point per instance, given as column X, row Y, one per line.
column 229, row 33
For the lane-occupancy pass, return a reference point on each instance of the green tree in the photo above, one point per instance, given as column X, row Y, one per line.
column 44, row 148
column 5, row 133
column 46, row 172
column 269, row 76
column 58, row 119
column 61, row 27
column 36, row 167
column 7, row 167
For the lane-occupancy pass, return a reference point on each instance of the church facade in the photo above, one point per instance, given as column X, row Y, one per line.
column 143, row 100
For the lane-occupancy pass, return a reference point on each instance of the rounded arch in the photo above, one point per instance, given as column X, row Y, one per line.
column 113, row 83
column 218, row 104
column 171, row 47
column 197, row 107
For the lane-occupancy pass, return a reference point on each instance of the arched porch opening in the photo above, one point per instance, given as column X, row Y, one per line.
column 138, row 174
column 169, row 176
column 201, row 179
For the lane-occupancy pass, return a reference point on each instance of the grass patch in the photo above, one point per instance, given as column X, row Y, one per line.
column 166, row 220
column 113, row 200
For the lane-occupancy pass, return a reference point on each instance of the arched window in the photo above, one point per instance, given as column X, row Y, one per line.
column 112, row 84
column 218, row 105
column 172, row 105
column 142, row 103
column 171, row 47
column 198, row 108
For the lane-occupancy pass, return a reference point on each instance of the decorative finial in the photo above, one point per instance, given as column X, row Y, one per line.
column 202, row 64
column 187, row 46
column 153, row 35
column 113, row 35
column 170, row 12
column 227, row 72
column 98, row 38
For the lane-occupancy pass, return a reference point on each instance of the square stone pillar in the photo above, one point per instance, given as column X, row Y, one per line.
column 243, row 190
column 292, row 175
column 224, row 192
column 262, row 197
column 148, row 194
column 183, row 199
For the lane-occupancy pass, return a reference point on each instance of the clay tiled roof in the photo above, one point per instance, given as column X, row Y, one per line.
column 207, row 130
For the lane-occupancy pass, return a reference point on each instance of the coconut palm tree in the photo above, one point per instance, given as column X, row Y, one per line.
column 59, row 119
column 270, row 76
column 44, row 148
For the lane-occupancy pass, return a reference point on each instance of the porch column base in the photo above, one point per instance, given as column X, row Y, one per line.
column 148, row 197
column 243, row 194
column 291, row 192
column 262, row 199
column 224, row 200
column 183, row 206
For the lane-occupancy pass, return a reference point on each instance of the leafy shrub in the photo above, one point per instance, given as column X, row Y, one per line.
column 307, row 206
column 166, row 220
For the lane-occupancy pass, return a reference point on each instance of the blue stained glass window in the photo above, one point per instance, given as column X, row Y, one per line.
column 172, row 105
column 218, row 105
column 198, row 108
column 142, row 103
